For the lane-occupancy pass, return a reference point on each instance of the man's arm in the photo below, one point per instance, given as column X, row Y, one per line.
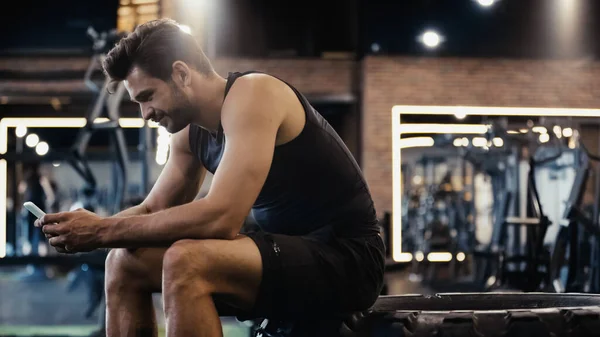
column 131, row 211
column 178, row 182
column 251, row 120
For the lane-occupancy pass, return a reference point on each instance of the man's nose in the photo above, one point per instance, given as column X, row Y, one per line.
column 147, row 112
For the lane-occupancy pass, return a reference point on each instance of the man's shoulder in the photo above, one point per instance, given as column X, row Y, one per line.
column 259, row 93
column 257, row 82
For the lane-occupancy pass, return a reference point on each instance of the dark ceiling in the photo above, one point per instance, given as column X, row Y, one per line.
column 509, row 28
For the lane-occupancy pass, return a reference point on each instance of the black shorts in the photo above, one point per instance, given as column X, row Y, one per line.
column 305, row 277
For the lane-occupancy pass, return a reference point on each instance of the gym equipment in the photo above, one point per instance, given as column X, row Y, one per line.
column 506, row 262
column 105, row 105
column 455, row 314
column 479, row 314
column 511, row 260
column 536, row 274
column 436, row 217
column 576, row 255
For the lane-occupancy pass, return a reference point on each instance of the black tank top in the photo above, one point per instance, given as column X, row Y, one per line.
column 314, row 186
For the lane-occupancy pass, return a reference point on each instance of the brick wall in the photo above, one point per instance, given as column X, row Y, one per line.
column 314, row 77
column 311, row 76
column 446, row 81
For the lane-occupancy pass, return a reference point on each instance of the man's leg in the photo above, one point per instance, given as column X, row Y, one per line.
column 191, row 271
column 131, row 278
column 196, row 270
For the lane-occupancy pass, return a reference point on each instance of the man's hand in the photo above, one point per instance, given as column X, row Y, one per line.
column 72, row 232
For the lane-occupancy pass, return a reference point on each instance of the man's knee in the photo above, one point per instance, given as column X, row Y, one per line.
column 186, row 265
column 117, row 265
column 123, row 269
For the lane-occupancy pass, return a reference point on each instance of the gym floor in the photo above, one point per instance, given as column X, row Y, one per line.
column 46, row 308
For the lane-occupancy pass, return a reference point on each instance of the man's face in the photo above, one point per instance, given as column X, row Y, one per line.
column 161, row 102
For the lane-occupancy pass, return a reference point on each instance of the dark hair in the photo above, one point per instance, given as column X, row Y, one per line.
column 153, row 47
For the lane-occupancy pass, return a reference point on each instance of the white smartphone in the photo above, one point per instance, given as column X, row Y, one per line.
column 34, row 209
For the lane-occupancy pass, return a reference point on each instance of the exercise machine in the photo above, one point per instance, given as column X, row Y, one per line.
column 576, row 254
column 507, row 262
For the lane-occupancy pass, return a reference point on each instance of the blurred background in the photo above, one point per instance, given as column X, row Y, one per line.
column 475, row 123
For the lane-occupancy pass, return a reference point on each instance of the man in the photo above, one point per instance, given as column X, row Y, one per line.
column 319, row 251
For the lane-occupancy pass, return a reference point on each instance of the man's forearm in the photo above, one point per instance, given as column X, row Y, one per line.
column 135, row 210
column 195, row 220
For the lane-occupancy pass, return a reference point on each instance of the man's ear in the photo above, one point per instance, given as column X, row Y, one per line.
column 182, row 74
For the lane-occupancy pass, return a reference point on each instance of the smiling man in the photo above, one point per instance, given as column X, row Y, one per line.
column 318, row 252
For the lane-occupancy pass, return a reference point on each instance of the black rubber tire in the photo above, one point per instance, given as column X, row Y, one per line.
column 479, row 315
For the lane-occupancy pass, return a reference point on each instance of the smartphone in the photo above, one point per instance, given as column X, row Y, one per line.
column 31, row 207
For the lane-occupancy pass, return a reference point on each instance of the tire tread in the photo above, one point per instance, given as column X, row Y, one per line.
column 536, row 321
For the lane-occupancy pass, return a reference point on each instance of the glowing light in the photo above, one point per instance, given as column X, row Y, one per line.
column 431, row 39
column 161, row 159
column 42, row 148
column 162, row 146
column 439, row 257
column 498, row 142
column 397, row 254
column 131, row 123
column 544, row 138
column 404, row 257
column 443, row 128
column 21, row 131
column 479, row 142
column 162, row 139
column 460, row 114
column 460, row 257
column 486, row 3
column 494, row 111
column 162, row 131
column 32, row 140
column 3, row 178
column 557, row 131
column 416, row 142
column 419, row 256
column 567, row 132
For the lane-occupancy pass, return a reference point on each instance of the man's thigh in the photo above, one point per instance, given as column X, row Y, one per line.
column 301, row 278
column 234, row 265
column 232, row 268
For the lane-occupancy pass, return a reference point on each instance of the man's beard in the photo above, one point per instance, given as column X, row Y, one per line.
column 181, row 115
